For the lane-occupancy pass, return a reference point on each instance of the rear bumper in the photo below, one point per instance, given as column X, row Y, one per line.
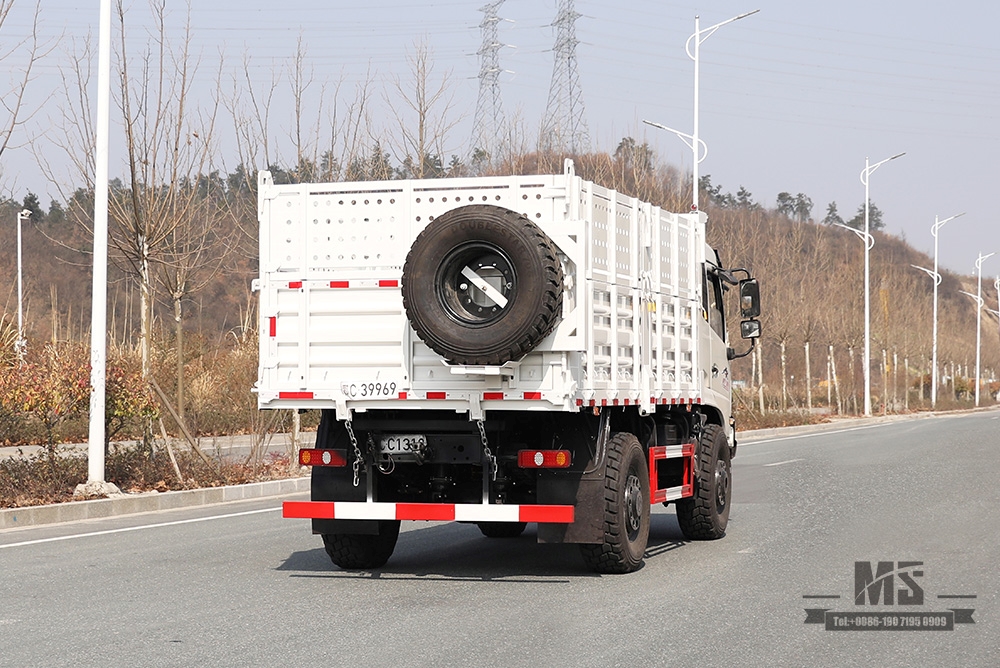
column 435, row 512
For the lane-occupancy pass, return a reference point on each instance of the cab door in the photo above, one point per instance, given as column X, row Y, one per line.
column 717, row 382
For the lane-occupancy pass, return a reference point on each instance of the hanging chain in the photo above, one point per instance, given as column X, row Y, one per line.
column 486, row 449
column 357, row 452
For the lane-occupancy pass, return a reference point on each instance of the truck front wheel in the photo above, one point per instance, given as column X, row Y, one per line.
column 705, row 515
column 363, row 552
column 626, row 511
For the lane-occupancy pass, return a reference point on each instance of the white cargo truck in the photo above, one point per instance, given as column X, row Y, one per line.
column 499, row 351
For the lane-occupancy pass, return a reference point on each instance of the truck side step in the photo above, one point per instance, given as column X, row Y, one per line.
column 682, row 471
column 432, row 512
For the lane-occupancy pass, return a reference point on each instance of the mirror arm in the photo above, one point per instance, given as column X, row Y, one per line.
column 731, row 354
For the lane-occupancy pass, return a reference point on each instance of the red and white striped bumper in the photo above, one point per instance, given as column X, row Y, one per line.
column 436, row 512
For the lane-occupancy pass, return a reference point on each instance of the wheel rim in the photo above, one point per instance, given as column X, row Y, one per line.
column 476, row 283
column 721, row 485
column 633, row 505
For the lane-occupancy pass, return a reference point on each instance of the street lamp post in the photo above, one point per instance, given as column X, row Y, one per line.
column 21, row 344
column 693, row 142
column 936, row 277
column 996, row 286
column 99, row 297
column 938, row 224
column 865, row 174
column 979, row 314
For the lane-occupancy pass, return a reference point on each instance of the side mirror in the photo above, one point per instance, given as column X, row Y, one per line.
column 749, row 301
column 750, row 329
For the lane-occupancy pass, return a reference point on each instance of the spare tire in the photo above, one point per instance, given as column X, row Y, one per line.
column 482, row 285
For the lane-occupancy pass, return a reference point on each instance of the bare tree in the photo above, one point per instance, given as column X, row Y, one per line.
column 160, row 215
column 421, row 144
column 13, row 97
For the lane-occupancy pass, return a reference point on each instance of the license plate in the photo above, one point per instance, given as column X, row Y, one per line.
column 403, row 444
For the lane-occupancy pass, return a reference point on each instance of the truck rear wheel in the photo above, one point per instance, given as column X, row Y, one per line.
column 482, row 285
column 626, row 514
column 705, row 515
column 502, row 529
column 359, row 551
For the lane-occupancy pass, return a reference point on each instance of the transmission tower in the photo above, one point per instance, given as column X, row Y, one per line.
column 565, row 128
column 488, row 126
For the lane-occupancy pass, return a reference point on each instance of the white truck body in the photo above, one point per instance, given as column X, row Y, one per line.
column 334, row 334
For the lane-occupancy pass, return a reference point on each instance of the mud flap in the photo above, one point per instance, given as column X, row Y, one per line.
column 586, row 493
column 330, row 484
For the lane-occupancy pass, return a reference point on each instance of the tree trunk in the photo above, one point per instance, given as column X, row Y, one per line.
column 179, row 324
column 895, row 394
column 809, row 396
column 836, row 381
column 829, row 384
column 885, row 382
column 293, row 455
column 145, row 308
column 906, row 384
column 854, row 385
column 760, row 378
column 784, row 379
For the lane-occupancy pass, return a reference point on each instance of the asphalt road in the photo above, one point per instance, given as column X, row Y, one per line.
column 236, row 585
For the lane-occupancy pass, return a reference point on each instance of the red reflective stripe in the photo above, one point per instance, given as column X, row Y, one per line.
column 305, row 510
column 437, row 395
column 340, row 284
column 557, row 514
column 438, row 512
column 273, row 326
column 388, row 284
column 579, row 402
column 402, row 395
column 435, row 512
column 294, row 285
column 295, row 395
column 533, row 396
column 492, row 396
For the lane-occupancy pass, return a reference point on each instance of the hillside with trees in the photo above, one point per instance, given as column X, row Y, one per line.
column 183, row 235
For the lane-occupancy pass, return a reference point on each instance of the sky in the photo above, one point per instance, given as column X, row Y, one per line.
column 793, row 99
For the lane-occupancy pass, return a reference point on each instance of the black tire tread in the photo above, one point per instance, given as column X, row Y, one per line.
column 501, row 529
column 362, row 552
column 611, row 556
column 697, row 515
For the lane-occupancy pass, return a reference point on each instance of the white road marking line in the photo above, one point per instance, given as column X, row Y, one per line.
column 814, row 433
column 787, row 461
column 137, row 528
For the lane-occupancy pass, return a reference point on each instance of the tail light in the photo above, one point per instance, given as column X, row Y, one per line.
column 544, row 459
column 317, row 457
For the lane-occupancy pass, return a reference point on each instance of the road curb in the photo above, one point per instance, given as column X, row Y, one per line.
column 750, row 436
column 130, row 504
